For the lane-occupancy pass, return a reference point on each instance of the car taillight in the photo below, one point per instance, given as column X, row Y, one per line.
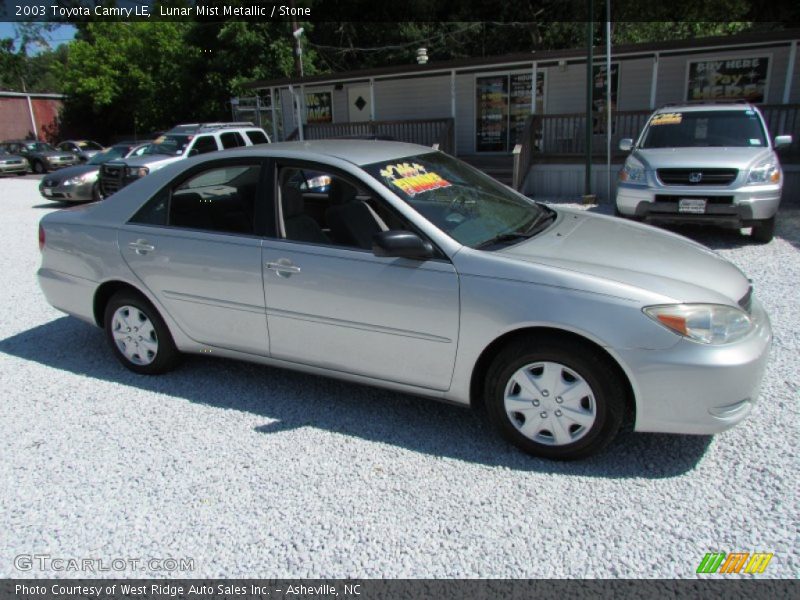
column 41, row 238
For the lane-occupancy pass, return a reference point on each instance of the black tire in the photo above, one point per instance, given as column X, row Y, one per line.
column 165, row 358
column 607, row 389
column 764, row 231
column 96, row 195
column 38, row 167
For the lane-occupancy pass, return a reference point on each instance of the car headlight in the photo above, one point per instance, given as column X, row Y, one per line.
column 766, row 171
column 79, row 179
column 136, row 171
column 633, row 172
column 705, row 323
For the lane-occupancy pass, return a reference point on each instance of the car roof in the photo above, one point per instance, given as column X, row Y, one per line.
column 358, row 152
column 699, row 107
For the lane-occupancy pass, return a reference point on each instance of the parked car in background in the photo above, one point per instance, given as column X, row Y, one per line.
column 41, row 157
column 12, row 164
column 179, row 143
column 83, row 149
column 416, row 272
column 704, row 163
column 79, row 183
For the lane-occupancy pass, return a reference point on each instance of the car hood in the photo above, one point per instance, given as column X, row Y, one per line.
column 635, row 255
column 725, row 157
column 63, row 174
column 150, row 160
column 13, row 158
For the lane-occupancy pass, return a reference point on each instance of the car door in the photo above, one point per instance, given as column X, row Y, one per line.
column 334, row 304
column 196, row 245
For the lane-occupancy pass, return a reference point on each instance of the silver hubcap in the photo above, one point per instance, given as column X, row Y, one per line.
column 550, row 404
column 134, row 335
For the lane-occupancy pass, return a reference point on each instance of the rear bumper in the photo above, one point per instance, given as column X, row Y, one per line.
column 731, row 207
column 69, row 294
column 697, row 388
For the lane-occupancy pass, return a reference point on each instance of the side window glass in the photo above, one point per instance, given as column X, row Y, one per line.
column 155, row 211
column 231, row 139
column 203, row 144
column 256, row 137
column 324, row 208
column 220, row 199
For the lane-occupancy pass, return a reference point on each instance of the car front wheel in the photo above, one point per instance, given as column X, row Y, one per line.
column 138, row 335
column 764, row 230
column 38, row 167
column 555, row 398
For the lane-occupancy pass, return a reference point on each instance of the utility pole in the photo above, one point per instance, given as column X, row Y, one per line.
column 587, row 181
column 297, row 33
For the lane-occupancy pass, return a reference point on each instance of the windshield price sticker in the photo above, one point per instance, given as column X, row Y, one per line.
column 413, row 178
column 667, row 119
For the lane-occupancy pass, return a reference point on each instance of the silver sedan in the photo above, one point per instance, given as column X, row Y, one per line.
column 413, row 271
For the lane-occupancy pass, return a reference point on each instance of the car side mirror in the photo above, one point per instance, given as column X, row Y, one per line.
column 401, row 244
column 782, row 141
column 625, row 144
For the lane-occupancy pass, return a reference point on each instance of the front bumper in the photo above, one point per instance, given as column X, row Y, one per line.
column 736, row 207
column 698, row 388
column 18, row 169
column 68, row 193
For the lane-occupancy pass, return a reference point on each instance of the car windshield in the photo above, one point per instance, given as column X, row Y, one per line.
column 89, row 146
column 468, row 205
column 171, row 145
column 39, row 147
column 741, row 128
column 107, row 155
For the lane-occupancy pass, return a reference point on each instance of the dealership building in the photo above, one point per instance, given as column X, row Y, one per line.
column 523, row 117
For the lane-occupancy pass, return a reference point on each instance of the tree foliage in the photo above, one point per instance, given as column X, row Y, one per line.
column 138, row 77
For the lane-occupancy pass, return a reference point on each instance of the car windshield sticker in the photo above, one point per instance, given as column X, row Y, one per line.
column 413, row 178
column 755, row 142
column 667, row 119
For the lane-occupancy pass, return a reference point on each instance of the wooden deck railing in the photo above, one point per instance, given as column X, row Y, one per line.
column 427, row 132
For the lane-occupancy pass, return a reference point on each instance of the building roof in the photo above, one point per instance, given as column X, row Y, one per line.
column 543, row 56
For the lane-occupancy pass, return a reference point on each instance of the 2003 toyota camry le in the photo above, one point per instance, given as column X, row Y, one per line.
column 413, row 271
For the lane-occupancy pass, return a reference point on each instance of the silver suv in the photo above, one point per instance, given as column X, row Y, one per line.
column 706, row 163
column 180, row 142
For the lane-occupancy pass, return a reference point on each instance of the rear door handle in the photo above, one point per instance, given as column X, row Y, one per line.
column 283, row 267
column 141, row 247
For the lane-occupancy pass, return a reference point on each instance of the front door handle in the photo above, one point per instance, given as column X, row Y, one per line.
column 283, row 267
column 141, row 247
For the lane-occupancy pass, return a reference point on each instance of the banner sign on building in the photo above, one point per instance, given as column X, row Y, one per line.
column 729, row 79
column 319, row 107
column 503, row 102
column 600, row 78
column 492, row 113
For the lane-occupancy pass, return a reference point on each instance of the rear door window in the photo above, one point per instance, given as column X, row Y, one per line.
column 203, row 144
column 231, row 139
column 257, row 137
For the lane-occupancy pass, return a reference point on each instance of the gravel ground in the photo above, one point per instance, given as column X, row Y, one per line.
column 255, row 471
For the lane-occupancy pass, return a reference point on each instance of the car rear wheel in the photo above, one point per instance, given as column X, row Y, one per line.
column 555, row 398
column 764, row 230
column 138, row 335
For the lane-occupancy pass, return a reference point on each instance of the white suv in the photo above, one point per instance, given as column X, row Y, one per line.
column 180, row 142
column 704, row 163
